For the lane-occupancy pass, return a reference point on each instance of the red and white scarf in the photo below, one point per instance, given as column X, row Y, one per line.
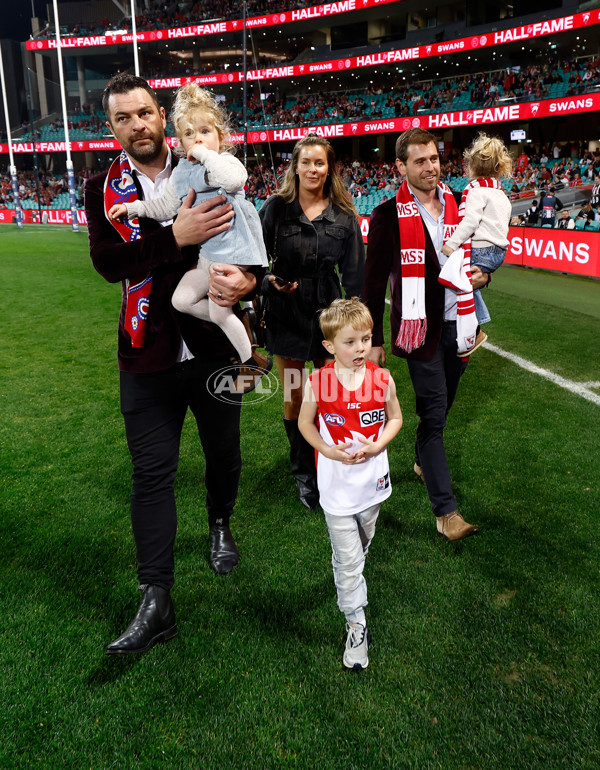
column 119, row 187
column 413, row 325
column 456, row 274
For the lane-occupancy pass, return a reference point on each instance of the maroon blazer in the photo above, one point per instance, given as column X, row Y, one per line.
column 157, row 252
column 383, row 263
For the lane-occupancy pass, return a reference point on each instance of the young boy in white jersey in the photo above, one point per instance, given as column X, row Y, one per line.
column 355, row 404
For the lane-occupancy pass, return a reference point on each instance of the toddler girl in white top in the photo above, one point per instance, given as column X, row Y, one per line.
column 485, row 210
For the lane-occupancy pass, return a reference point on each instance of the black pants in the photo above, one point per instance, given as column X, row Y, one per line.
column 154, row 408
column 435, row 383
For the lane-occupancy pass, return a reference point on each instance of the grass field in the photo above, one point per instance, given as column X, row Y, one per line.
column 485, row 653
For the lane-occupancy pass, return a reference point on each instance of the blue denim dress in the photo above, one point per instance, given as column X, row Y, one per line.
column 242, row 244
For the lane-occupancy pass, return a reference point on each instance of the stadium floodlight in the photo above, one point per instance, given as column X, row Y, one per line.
column 245, row 86
column 136, row 61
column 70, row 173
column 13, row 168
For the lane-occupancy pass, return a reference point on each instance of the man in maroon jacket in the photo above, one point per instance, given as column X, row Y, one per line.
column 166, row 371
column 420, row 214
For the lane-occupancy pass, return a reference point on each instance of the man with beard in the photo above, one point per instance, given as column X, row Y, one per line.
column 406, row 236
column 165, row 358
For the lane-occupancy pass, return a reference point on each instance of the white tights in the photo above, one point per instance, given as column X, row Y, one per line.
column 191, row 297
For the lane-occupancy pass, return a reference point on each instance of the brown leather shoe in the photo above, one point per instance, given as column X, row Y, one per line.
column 453, row 527
column 419, row 471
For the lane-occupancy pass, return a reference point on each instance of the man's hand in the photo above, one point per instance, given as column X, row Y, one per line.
column 227, row 284
column 479, row 278
column 198, row 224
column 377, row 356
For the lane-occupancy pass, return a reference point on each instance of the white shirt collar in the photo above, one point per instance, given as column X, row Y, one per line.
column 160, row 174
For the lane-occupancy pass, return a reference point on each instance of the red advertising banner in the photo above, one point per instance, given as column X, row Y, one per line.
column 48, row 216
column 488, row 115
column 212, row 28
column 81, row 146
column 567, row 251
column 440, row 120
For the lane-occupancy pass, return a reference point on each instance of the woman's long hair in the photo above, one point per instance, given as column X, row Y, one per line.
column 334, row 187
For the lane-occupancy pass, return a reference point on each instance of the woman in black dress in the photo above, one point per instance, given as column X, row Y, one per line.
column 315, row 246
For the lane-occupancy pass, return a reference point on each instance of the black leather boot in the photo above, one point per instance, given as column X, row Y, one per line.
column 154, row 622
column 224, row 554
column 302, row 461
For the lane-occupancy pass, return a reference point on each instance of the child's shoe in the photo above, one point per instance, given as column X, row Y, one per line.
column 479, row 340
column 251, row 372
column 357, row 647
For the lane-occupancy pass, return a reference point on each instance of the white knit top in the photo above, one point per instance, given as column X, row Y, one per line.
column 486, row 219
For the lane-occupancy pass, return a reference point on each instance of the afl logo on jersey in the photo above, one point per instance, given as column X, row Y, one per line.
column 334, row 419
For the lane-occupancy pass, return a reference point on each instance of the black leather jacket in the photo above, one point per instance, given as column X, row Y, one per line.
column 314, row 253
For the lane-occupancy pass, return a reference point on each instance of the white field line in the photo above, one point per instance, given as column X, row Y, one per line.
column 578, row 388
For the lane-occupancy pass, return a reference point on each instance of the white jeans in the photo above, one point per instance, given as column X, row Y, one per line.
column 350, row 539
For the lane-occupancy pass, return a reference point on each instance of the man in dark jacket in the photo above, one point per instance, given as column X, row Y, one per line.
column 434, row 366
column 532, row 214
column 550, row 205
column 166, row 372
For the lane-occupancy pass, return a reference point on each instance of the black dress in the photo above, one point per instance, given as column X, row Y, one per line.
column 316, row 254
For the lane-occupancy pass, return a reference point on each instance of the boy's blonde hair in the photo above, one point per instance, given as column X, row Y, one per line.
column 191, row 99
column 344, row 312
column 488, row 156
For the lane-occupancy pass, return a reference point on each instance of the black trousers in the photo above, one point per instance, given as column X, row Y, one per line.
column 435, row 383
column 154, row 408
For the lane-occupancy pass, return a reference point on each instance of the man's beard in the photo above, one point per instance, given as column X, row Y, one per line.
column 147, row 152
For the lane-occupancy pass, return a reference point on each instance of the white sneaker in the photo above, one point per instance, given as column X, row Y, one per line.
column 357, row 647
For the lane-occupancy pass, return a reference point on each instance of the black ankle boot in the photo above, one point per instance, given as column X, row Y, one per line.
column 224, row 554
column 302, row 461
column 154, row 622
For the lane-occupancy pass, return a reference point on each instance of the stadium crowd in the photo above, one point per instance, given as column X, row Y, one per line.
column 541, row 80
column 51, row 187
column 572, row 165
column 399, row 100
column 483, row 89
column 166, row 15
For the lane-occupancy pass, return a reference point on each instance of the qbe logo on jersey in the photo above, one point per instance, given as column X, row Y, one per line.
column 372, row 418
